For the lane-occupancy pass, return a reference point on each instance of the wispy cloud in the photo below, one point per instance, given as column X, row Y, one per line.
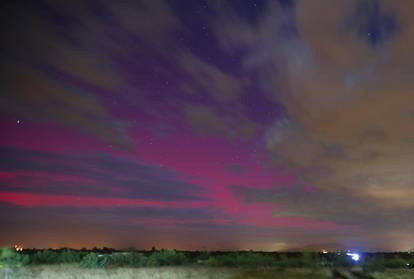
column 93, row 175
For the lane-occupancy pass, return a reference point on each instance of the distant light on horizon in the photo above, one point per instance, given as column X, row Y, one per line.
column 18, row 247
column 354, row 256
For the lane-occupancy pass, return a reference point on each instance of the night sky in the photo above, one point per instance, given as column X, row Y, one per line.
column 266, row 125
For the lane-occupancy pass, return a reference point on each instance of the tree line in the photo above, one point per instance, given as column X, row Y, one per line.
column 107, row 258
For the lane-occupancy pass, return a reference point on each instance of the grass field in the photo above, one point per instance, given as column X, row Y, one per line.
column 75, row 272
column 394, row 274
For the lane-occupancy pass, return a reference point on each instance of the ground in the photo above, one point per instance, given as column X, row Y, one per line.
column 74, row 272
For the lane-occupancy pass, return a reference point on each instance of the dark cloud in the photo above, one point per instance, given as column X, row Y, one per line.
column 37, row 56
column 83, row 58
column 339, row 205
column 118, row 216
column 75, row 61
column 101, row 175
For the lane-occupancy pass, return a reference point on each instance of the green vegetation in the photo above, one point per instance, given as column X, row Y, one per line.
column 95, row 260
column 166, row 257
column 380, row 263
column 133, row 259
column 102, row 258
column 70, row 256
column 245, row 264
column 285, row 274
column 9, row 260
column 127, row 259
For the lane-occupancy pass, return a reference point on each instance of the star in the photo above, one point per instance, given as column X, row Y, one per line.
column 18, row 121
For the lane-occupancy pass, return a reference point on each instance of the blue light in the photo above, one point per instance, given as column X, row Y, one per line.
column 354, row 256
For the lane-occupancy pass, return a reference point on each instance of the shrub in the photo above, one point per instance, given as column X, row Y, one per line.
column 341, row 260
column 307, row 259
column 281, row 262
column 288, row 262
column 376, row 263
column 130, row 259
column 203, row 256
column 70, row 256
column 257, row 260
column 211, row 261
column 137, row 259
column 131, row 249
column 9, row 258
column 94, row 260
column 23, row 259
column 224, row 260
column 395, row 262
column 166, row 257
column 45, row 257
column 253, row 260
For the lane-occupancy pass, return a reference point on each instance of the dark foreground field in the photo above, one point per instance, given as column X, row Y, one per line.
column 66, row 271
column 172, row 264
